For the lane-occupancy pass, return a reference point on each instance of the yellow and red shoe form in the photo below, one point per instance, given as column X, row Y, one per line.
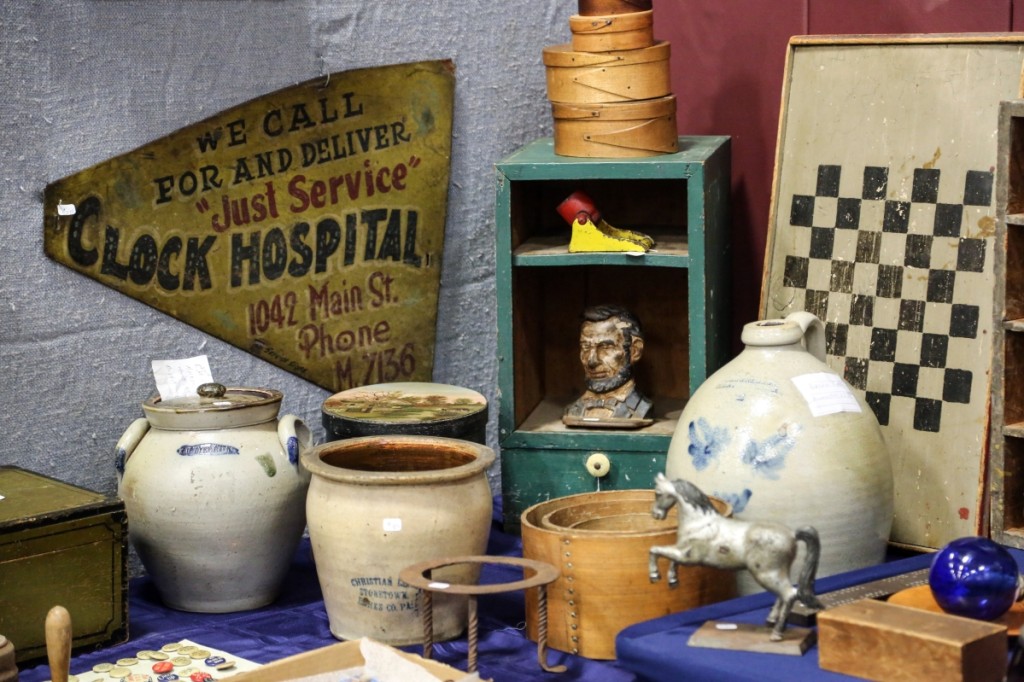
column 590, row 232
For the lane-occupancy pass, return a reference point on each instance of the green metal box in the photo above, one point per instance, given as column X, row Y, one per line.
column 60, row 544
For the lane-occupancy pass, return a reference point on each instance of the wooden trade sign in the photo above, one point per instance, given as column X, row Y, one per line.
column 305, row 226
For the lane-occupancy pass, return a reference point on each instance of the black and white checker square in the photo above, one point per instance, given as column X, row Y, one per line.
column 893, row 275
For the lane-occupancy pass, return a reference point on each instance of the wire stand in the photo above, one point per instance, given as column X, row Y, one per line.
column 543, row 574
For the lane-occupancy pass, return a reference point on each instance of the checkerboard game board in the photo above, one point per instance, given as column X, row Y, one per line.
column 897, row 283
column 883, row 224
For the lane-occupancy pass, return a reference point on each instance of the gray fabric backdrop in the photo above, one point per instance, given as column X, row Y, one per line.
column 86, row 80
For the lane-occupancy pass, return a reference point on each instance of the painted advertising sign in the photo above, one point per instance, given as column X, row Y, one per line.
column 305, row 226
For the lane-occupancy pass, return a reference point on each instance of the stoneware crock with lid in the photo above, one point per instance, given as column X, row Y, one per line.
column 215, row 495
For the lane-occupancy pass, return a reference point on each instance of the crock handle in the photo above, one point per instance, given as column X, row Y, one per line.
column 814, row 332
column 295, row 437
column 128, row 442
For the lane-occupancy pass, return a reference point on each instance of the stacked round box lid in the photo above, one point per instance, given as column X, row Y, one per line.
column 610, row 90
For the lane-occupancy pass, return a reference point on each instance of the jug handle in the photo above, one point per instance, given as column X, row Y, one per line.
column 814, row 332
column 127, row 443
column 295, row 437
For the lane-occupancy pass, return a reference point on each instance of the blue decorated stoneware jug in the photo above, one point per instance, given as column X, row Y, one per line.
column 782, row 437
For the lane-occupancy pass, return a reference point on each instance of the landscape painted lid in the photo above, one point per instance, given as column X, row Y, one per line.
column 406, row 407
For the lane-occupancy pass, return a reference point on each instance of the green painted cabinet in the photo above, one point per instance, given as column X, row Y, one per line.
column 679, row 291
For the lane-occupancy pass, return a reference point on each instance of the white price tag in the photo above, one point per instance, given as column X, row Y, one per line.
column 393, row 525
column 826, row 393
column 181, row 378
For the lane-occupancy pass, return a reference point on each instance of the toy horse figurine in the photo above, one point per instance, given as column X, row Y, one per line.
column 707, row 538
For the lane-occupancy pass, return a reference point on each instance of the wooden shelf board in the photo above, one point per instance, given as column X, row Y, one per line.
column 672, row 250
column 1015, row 219
column 1013, row 536
column 547, row 418
column 1014, row 325
column 1015, row 430
column 537, row 161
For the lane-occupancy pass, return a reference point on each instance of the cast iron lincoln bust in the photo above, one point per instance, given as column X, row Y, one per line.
column 611, row 343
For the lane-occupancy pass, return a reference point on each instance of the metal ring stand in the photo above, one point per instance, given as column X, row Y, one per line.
column 418, row 575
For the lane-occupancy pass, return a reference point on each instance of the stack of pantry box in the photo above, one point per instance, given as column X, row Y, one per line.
column 609, row 88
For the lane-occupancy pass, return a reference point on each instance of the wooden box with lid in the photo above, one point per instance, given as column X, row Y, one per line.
column 876, row 640
column 60, row 544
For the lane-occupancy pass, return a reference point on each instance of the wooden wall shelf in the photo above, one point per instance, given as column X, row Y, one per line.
column 678, row 290
column 1006, row 435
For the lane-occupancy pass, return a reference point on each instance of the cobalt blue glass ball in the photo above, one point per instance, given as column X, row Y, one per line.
column 974, row 577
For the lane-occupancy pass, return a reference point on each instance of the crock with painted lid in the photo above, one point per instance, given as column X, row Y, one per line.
column 413, row 408
column 215, row 495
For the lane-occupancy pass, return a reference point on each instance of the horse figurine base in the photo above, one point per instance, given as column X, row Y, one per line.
column 767, row 550
column 748, row 637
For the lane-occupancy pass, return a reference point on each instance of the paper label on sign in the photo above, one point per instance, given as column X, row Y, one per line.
column 65, row 209
column 392, row 524
column 181, row 378
column 826, row 393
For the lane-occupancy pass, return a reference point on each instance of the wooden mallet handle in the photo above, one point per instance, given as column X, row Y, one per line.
column 58, row 643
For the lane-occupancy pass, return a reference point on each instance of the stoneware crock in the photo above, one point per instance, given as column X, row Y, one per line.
column 215, row 496
column 378, row 504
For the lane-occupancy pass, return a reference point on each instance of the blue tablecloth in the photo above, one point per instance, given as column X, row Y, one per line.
column 653, row 650
column 657, row 649
column 297, row 622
